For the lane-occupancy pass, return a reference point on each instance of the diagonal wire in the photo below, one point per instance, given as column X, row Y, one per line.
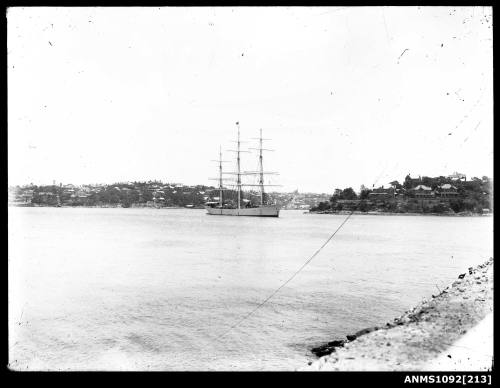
column 288, row 280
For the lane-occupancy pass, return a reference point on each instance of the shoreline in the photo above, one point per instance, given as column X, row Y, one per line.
column 342, row 212
column 374, row 213
column 110, row 207
column 430, row 336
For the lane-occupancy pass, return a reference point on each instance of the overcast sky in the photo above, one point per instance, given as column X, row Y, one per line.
column 348, row 95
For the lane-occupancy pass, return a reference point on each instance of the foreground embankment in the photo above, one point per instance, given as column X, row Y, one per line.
column 451, row 331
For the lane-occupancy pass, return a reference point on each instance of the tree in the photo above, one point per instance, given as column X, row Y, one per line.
column 323, row 206
column 364, row 194
column 396, row 185
column 390, row 206
column 408, row 183
column 363, row 206
column 457, row 205
column 439, row 208
column 348, row 194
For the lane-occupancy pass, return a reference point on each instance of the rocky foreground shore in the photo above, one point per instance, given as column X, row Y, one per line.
column 451, row 331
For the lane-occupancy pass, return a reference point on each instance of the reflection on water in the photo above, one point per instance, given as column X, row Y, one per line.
column 153, row 289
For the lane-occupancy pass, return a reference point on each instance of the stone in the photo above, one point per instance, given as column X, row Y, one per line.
column 328, row 348
column 366, row 331
column 461, row 276
column 351, row 337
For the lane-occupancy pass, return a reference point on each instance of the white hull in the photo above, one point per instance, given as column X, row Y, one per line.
column 261, row 211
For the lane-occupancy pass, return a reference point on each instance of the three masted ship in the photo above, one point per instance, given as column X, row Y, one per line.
column 243, row 207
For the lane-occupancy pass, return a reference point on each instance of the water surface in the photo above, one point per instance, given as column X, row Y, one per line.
column 152, row 289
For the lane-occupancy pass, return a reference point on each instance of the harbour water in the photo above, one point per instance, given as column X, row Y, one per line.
column 154, row 289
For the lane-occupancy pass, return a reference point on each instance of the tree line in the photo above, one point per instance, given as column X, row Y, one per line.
column 473, row 196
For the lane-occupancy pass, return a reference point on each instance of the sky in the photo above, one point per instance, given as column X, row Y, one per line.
column 347, row 95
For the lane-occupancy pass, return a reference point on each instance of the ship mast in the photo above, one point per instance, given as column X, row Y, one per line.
column 238, row 181
column 261, row 171
column 220, row 176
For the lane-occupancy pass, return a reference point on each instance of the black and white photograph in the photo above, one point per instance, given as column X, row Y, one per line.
column 251, row 188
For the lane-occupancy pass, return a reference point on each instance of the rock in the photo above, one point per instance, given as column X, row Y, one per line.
column 322, row 351
column 351, row 337
column 328, row 348
column 336, row 343
column 461, row 276
column 366, row 331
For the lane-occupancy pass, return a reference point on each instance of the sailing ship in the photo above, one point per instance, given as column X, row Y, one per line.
column 228, row 209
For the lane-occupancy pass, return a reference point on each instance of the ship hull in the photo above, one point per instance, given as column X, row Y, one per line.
column 261, row 211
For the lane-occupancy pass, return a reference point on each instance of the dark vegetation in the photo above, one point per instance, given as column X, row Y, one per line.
column 472, row 196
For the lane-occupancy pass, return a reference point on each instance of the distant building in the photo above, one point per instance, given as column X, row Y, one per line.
column 447, row 191
column 422, row 191
column 27, row 196
column 381, row 193
column 457, row 176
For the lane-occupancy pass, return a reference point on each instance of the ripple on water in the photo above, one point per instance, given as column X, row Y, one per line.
column 145, row 290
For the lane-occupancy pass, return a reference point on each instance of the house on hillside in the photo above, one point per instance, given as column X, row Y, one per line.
column 447, row 191
column 381, row 194
column 456, row 176
column 422, row 191
column 27, row 196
